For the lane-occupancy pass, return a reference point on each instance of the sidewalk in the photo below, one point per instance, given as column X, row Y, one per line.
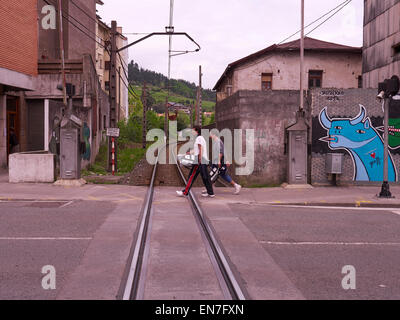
column 360, row 196
column 357, row 196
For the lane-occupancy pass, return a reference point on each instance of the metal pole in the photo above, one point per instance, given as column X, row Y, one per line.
column 113, row 92
column 171, row 21
column 302, row 58
column 144, row 128
column 385, row 190
column 61, row 33
column 198, row 103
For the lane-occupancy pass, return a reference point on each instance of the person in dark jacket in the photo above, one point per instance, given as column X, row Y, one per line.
column 13, row 141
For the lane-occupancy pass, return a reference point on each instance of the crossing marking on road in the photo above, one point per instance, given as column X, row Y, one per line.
column 307, row 243
column 342, row 208
column 44, row 238
column 396, row 212
column 67, row 204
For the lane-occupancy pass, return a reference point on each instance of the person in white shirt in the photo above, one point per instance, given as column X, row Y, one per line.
column 200, row 150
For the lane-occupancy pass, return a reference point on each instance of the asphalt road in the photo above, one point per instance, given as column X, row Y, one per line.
column 36, row 234
column 312, row 245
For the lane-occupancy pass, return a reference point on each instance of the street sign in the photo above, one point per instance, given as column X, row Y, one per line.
column 113, row 132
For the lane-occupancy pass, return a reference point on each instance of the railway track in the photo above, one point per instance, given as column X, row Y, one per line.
column 176, row 254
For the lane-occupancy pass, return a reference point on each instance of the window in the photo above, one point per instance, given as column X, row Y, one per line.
column 107, row 85
column 228, row 89
column 107, row 65
column 314, row 79
column 266, row 81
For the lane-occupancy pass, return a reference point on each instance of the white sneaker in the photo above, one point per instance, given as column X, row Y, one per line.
column 208, row 195
column 204, row 191
column 180, row 194
column 237, row 189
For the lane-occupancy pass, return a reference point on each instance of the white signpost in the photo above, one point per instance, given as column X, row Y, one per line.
column 113, row 132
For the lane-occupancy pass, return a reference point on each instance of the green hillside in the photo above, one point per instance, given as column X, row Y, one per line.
column 181, row 91
column 157, row 97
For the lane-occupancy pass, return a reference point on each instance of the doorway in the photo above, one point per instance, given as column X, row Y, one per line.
column 12, row 122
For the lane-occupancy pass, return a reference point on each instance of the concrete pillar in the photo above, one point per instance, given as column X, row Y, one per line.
column 3, row 131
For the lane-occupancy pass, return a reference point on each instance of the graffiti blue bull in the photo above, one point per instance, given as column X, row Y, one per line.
column 361, row 140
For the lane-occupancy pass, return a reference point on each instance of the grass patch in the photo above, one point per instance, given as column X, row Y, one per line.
column 128, row 156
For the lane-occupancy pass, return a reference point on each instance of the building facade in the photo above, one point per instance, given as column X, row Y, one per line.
column 327, row 65
column 103, row 34
column 30, row 101
column 17, row 68
column 381, row 50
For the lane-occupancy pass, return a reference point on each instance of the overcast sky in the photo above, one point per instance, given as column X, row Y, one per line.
column 226, row 30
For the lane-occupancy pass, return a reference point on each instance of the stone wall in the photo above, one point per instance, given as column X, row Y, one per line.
column 269, row 113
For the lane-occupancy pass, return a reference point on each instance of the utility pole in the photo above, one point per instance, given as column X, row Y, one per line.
column 61, row 35
column 198, row 104
column 169, row 29
column 113, row 93
column 144, row 128
column 166, row 118
column 119, row 94
column 302, row 59
column 191, row 115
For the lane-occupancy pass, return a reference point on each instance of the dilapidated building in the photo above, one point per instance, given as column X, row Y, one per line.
column 31, row 103
column 327, row 65
column 381, row 50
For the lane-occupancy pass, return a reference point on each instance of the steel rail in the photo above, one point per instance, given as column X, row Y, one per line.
column 132, row 283
column 231, row 282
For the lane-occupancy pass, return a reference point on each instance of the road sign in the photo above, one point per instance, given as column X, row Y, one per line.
column 113, row 132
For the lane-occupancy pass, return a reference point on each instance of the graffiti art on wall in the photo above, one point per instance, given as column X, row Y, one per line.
column 361, row 140
column 86, row 137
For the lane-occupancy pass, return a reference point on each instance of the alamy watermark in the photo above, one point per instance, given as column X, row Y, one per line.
column 238, row 146
column 49, row 279
column 349, row 280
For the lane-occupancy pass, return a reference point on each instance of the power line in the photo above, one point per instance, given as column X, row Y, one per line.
column 66, row 17
column 82, row 10
column 345, row 3
column 328, row 18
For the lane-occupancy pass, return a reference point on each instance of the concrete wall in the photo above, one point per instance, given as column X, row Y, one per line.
column 76, row 42
column 340, row 70
column 381, row 33
column 269, row 113
column 346, row 105
column 79, row 43
column 31, row 167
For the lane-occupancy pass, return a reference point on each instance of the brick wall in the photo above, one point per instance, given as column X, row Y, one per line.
column 18, row 36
